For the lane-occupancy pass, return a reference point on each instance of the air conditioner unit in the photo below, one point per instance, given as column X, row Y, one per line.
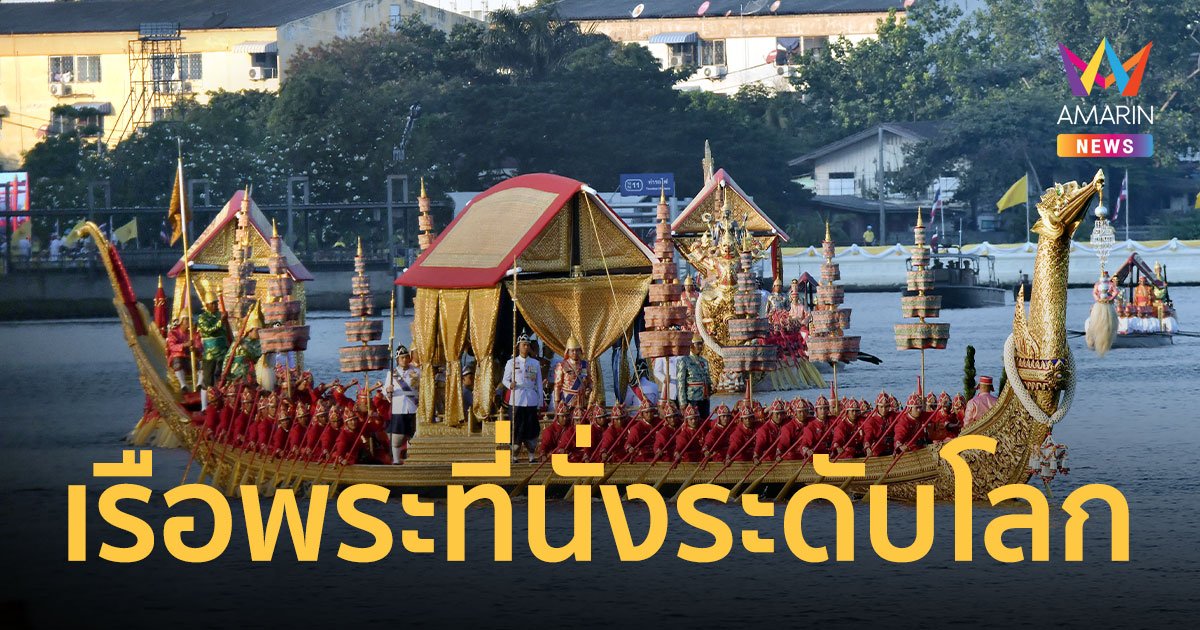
column 783, row 71
column 60, row 89
column 186, row 87
column 713, row 72
column 258, row 74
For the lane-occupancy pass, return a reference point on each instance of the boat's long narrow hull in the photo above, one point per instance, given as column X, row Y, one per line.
column 1142, row 340
column 1016, row 433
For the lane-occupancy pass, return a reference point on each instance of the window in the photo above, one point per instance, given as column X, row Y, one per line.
column 87, row 69
column 86, row 120
column 62, row 69
column 162, row 69
column 394, row 17
column 61, row 123
column 712, row 53
column 81, row 69
column 267, row 62
column 813, row 44
column 158, row 114
column 841, row 183
column 785, row 49
column 191, row 67
column 680, row 55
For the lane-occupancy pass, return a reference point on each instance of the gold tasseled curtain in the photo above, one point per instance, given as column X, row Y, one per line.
column 452, row 328
column 425, row 337
column 484, row 305
column 556, row 308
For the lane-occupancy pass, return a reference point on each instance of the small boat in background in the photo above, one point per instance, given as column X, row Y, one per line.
column 1145, row 312
column 956, row 279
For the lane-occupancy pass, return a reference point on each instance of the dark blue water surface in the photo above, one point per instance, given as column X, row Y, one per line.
column 69, row 394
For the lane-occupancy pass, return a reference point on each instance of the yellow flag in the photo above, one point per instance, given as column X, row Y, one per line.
column 178, row 213
column 73, row 236
column 1017, row 193
column 25, row 230
column 126, row 232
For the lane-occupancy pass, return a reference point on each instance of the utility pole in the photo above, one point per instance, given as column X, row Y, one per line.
column 879, row 183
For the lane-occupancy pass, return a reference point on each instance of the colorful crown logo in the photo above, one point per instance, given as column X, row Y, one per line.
column 1127, row 76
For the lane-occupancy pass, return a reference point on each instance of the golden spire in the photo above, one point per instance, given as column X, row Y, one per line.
column 274, row 230
column 360, row 247
column 662, row 193
column 422, row 195
column 827, row 232
column 160, row 281
column 919, row 224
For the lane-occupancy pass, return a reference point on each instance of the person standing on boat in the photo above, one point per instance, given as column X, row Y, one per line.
column 572, row 378
column 213, row 328
column 694, row 378
column 180, row 344
column 523, row 380
column 403, row 390
column 649, row 389
column 979, row 405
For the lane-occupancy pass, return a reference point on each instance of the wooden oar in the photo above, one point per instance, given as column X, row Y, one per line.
column 732, row 459
column 517, row 489
column 791, row 482
column 608, row 475
column 733, row 493
column 658, row 455
column 607, row 458
column 703, row 463
column 901, row 454
column 679, row 456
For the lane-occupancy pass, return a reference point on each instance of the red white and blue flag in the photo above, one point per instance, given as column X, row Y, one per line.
column 1123, row 197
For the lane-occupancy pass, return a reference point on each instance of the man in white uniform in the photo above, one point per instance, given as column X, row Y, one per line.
column 660, row 376
column 649, row 388
column 523, row 379
column 403, row 390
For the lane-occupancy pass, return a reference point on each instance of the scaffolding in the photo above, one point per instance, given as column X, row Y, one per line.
column 155, row 78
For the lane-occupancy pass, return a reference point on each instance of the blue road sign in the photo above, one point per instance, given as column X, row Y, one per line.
column 641, row 184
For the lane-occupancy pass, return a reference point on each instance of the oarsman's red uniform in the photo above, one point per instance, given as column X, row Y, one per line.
column 328, row 439
column 940, row 419
column 552, row 434
column 279, row 440
column 844, row 437
column 612, row 445
column 957, row 408
column 295, row 440
column 715, row 440
column 739, row 441
column 310, row 447
column 873, row 426
column 789, row 436
column 345, row 446
column 689, row 445
column 909, row 423
column 638, row 440
column 766, row 437
column 664, row 439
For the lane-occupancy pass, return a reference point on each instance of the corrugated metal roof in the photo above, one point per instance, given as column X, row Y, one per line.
column 623, row 10
column 127, row 15
column 674, row 38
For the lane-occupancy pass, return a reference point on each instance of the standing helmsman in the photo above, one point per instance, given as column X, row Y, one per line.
column 403, row 390
column 572, row 377
column 213, row 328
column 523, row 380
column 693, row 378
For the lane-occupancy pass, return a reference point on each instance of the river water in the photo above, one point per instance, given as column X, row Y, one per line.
column 68, row 395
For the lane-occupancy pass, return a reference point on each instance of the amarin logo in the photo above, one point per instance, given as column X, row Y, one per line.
column 1128, row 82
